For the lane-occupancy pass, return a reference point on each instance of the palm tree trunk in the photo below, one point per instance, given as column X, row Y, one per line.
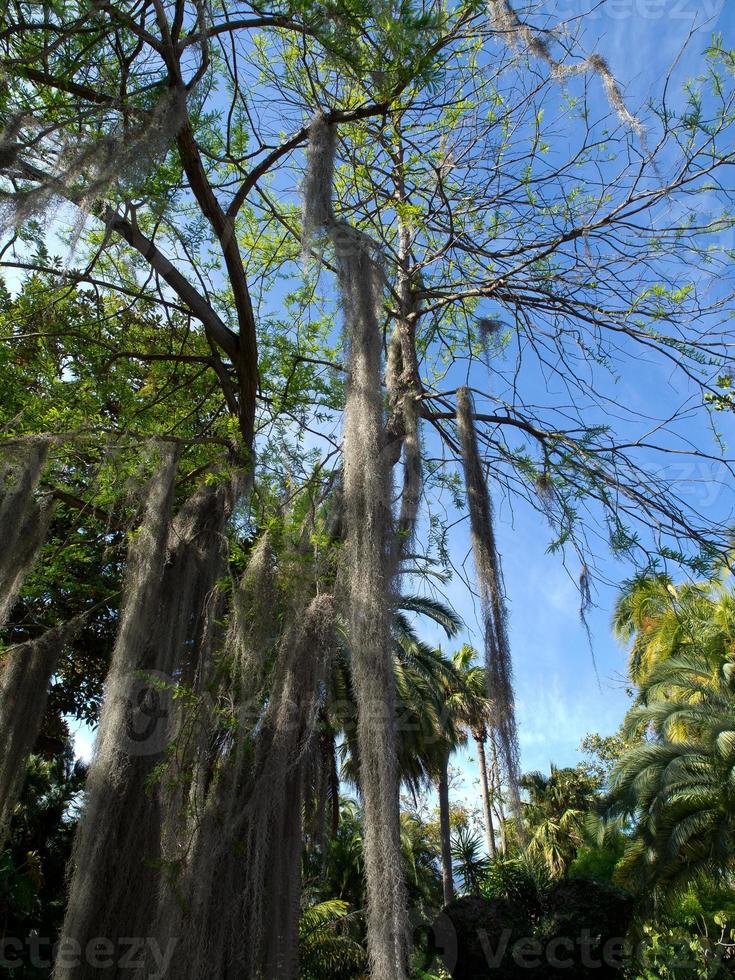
column 445, row 833
column 498, row 796
column 489, row 828
column 334, row 785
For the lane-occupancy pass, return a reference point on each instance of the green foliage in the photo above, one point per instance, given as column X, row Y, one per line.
column 469, row 859
column 326, row 949
column 598, row 862
column 110, row 351
column 724, row 399
column 33, row 866
column 674, row 781
column 77, row 359
column 341, row 873
column 668, row 952
column 429, row 688
column 659, row 619
column 342, row 876
column 603, row 751
column 677, row 786
column 420, row 854
column 523, row 881
column 69, row 377
column 556, row 812
column 691, row 939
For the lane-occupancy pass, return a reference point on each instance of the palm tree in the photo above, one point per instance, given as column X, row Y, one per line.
column 443, row 703
column 680, row 791
column 430, row 731
column 428, row 685
column 472, row 865
column 466, row 709
column 473, row 710
column 445, row 826
column 423, row 676
column 342, row 874
column 326, row 949
column 419, row 854
column 645, row 616
column 438, row 699
column 556, row 813
column 660, row 619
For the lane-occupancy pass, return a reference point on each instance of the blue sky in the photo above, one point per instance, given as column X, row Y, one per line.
column 560, row 695
column 559, row 698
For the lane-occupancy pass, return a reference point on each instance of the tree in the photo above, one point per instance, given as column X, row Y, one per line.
column 473, row 712
column 475, row 283
column 425, row 883
column 134, row 91
column 661, row 619
column 556, row 812
column 33, row 866
column 324, row 951
column 431, row 719
column 445, row 829
column 160, row 124
column 437, row 698
column 427, row 686
column 676, row 789
column 425, row 680
column 150, row 91
column 342, row 872
column 470, row 862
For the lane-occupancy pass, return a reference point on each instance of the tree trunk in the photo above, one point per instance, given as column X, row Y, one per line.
column 489, row 828
column 445, row 833
column 334, row 785
column 498, row 796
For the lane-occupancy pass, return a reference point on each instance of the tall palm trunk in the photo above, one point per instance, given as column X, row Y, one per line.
column 334, row 785
column 482, row 763
column 445, row 832
column 498, row 797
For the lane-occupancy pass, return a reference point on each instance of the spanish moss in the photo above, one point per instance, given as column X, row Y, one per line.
column 412, row 475
column 508, row 23
column 216, row 775
column 241, row 893
column 25, row 674
column 286, row 750
column 499, row 667
column 23, row 519
column 368, row 566
column 113, row 888
column 401, row 373
column 252, row 626
column 31, row 153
